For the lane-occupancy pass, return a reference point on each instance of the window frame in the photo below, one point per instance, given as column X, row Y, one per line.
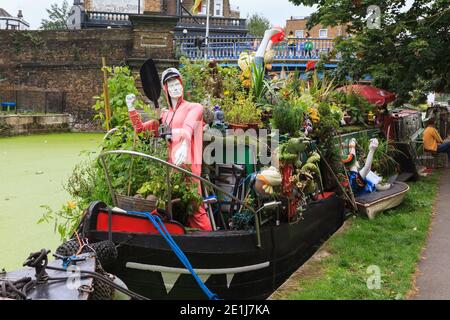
column 297, row 32
column 326, row 33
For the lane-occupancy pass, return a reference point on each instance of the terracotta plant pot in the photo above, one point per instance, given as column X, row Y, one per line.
column 236, row 126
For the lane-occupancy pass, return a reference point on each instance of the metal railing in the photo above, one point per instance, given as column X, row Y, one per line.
column 230, row 47
column 169, row 168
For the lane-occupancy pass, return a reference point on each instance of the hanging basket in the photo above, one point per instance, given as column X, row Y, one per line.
column 135, row 204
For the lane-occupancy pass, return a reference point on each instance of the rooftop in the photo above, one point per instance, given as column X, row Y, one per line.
column 4, row 13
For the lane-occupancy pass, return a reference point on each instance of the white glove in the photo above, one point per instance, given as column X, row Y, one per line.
column 373, row 144
column 181, row 154
column 130, row 99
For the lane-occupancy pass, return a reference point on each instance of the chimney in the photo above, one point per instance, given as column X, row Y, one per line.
column 20, row 15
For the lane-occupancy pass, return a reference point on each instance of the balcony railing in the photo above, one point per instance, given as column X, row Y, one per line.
column 214, row 22
column 98, row 18
column 229, row 48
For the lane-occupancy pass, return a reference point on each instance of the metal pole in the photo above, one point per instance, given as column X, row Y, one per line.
column 139, row 7
column 207, row 31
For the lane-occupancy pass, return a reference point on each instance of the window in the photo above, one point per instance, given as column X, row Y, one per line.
column 323, row 33
column 299, row 33
column 203, row 12
column 218, row 8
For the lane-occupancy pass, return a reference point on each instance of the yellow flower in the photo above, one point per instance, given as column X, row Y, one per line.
column 313, row 114
column 226, row 92
column 71, row 204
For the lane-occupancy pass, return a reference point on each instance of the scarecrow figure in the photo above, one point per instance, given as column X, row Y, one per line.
column 182, row 126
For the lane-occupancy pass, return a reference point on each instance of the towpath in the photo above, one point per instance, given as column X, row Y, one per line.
column 433, row 280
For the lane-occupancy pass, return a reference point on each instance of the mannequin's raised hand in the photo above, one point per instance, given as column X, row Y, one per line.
column 130, row 99
column 181, row 154
column 373, row 144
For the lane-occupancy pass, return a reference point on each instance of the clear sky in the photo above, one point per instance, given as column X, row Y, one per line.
column 277, row 11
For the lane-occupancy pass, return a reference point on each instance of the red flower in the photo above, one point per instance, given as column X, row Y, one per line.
column 310, row 65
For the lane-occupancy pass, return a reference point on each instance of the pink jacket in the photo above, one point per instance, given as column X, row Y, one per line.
column 186, row 122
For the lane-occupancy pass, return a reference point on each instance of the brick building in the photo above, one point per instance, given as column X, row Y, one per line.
column 224, row 18
column 298, row 26
column 218, row 8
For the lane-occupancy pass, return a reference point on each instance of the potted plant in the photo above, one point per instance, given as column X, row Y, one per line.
column 243, row 114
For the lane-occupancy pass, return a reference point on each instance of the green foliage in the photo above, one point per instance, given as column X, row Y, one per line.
column 287, row 118
column 408, row 53
column 383, row 162
column 355, row 105
column 259, row 86
column 257, row 25
column 243, row 111
column 325, row 133
column 65, row 220
column 57, row 16
column 128, row 175
column 120, row 83
column 195, row 81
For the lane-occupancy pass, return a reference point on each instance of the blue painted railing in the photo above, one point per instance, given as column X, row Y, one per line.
column 230, row 47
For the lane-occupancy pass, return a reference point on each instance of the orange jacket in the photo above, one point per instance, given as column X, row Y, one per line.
column 431, row 139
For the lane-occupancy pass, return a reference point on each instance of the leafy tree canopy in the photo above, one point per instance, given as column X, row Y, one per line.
column 408, row 54
column 257, row 24
column 57, row 17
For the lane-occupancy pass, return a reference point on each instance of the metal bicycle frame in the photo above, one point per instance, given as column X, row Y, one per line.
column 179, row 169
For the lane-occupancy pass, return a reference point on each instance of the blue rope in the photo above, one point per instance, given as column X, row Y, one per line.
column 159, row 225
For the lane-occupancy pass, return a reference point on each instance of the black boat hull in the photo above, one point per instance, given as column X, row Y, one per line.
column 229, row 262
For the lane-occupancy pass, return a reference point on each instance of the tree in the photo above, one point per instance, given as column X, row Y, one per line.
column 257, row 24
column 57, row 17
column 407, row 54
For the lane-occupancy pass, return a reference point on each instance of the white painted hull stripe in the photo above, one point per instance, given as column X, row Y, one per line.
column 155, row 268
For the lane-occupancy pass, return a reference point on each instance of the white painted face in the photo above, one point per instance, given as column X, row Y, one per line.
column 175, row 88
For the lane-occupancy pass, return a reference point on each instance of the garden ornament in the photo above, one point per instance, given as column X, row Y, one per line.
column 184, row 121
column 271, row 37
column 219, row 117
column 363, row 180
column 263, row 57
column 266, row 180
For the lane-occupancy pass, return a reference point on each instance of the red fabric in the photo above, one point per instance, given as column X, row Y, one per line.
column 310, row 65
column 325, row 195
column 279, row 36
column 123, row 223
column 372, row 94
column 139, row 126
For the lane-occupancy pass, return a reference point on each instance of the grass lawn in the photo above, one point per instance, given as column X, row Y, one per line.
column 392, row 242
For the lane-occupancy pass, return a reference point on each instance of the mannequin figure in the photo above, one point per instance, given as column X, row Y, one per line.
column 363, row 180
column 182, row 126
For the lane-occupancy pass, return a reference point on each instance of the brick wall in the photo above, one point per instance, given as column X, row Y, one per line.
column 70, row 61
column 153, row 6
column 300, row 24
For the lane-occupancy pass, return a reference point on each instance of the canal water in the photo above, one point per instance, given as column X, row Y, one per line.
column 33, row 170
